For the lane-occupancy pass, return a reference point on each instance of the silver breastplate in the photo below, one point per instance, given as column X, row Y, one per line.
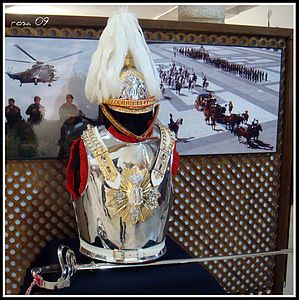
column 122, row 214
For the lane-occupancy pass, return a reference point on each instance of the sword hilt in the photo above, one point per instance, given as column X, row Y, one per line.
column 45, row 270
column 67, row 267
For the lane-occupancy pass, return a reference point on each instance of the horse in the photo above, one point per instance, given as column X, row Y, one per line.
column 249, row 133
column 246, row 133
column 206, row 112
column 210, row 116
column 232, row 120
column 220, row 109
column 220, row 118
column 213, row 116
column 256, row 131
column 176, row 126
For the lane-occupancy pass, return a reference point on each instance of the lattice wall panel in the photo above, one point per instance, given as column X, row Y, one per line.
column 227, row 205
column 222, row 205
column 37, row 209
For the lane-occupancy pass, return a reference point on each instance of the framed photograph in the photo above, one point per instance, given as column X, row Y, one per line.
column 232, row 186
column 217, row 99
column 44, row 88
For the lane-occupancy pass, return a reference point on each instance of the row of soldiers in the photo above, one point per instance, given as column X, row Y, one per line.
column 195, row 53
column 177, row 76
column 237, row 69
column 252, row 74
column 35, row 111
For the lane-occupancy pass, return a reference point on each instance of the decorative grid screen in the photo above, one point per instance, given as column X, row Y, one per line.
column 226, row 206
column 222, row 204
column 37, row 209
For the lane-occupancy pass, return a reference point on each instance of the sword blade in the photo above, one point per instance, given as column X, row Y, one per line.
column 102, row 266
column 69, row 266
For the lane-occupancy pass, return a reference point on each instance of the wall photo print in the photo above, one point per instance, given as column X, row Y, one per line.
column 45, row 80
column 216, row 99
column 220, row 99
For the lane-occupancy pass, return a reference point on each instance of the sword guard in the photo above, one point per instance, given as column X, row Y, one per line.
column 67, row 266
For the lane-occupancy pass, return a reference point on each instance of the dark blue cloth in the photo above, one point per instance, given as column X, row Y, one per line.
column 183, row 279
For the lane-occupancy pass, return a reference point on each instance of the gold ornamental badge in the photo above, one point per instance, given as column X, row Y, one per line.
column 136, row 198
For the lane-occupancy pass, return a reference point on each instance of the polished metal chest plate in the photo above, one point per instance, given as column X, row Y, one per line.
column 130, row 209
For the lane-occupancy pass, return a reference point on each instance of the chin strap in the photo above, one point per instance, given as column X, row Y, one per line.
column 127, row 132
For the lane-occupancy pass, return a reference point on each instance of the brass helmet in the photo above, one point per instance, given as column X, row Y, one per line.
column 134, row 97
column 122, row 73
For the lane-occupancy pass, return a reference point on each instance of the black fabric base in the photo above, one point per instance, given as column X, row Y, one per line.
column 183, row 279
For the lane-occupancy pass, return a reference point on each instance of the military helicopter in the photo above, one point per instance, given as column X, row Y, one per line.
column 39, row 72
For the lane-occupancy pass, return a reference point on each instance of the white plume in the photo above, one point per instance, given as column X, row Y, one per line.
column 121, row 34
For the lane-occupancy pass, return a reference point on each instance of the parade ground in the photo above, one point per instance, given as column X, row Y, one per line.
column 260, row 99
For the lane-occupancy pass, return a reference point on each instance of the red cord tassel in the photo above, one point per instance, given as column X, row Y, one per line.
column 37, row 280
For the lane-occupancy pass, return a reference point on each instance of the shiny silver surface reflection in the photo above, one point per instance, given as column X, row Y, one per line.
column 99, row 229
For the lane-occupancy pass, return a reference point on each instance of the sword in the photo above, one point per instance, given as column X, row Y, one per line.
column 68, row 265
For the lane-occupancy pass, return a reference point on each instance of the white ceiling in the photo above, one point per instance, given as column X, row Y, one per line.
column 282, row 16
column 142, row 11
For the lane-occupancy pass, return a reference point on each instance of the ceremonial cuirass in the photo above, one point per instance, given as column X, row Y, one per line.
column 123, row 212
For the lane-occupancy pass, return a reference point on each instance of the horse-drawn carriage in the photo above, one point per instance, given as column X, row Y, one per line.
column 202, row 100
column 215, row 113
column 232, row 121
column 207, row 103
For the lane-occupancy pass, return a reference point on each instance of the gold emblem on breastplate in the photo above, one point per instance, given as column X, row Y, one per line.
column 137, row 194
column 136, row 198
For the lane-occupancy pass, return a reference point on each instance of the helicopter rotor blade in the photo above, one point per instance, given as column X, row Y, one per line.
column 63, row 56
column 22, row 61
column 25, row 52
